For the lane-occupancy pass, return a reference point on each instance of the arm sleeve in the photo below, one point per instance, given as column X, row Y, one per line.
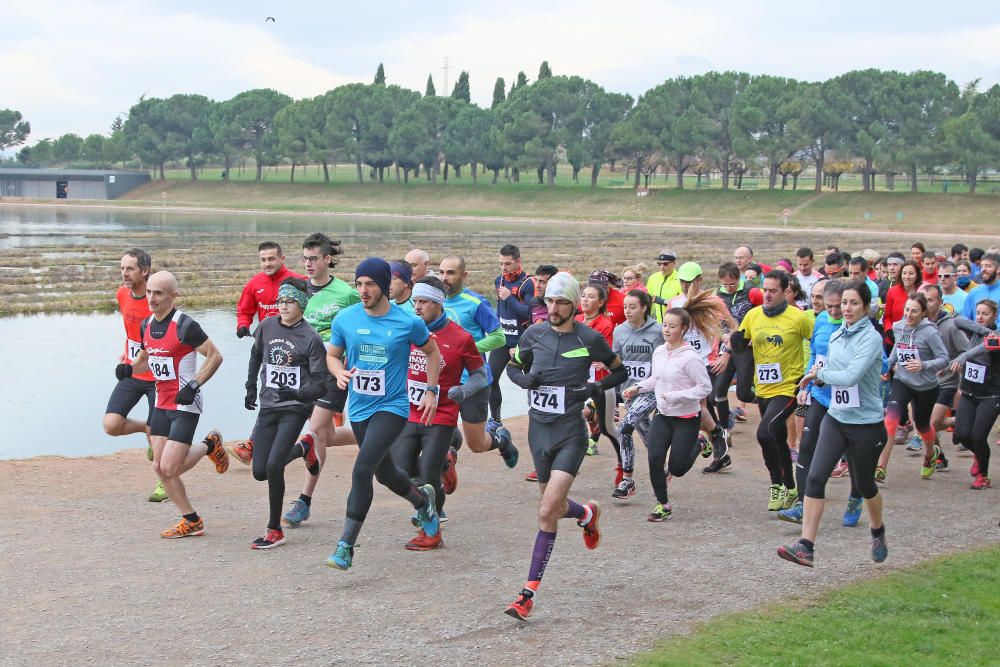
column 975, row 354
column 971, row 326
column 615, row 377
column 476, row 381
column 256, row 359
column 493, row 340
column 520, row 378
column 959, row 341
column 246, row 308
column 868, row 352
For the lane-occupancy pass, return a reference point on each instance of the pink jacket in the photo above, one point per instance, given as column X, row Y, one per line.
column 679, row 380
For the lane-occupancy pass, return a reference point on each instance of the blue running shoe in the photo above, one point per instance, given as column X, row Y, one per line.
column 853, row 512
column 507, row 449
column 880, row 550
column 428, row 517
column 792, row 515
column 296, row 514
column 916, row 444
column 342, row 557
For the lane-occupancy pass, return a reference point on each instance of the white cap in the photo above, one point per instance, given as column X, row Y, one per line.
column 563, row 286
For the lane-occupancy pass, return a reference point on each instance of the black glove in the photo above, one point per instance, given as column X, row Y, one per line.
column 286, row 393
column 250, row 402
column 242, row 332
column 595, row 390
column 526, row 357
column 187, row 393
column 123, row 371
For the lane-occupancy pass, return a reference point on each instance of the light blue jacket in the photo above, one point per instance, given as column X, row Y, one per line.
column 819, row 346
column 855, row 358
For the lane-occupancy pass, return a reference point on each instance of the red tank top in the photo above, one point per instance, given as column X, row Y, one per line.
column 172, row 363
column 133, row 311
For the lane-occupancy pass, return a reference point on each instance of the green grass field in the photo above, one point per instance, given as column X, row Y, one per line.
column 944, row 612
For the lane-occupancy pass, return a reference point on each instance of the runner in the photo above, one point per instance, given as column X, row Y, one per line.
column 917, row 251
column 539, row 312
column 515, row 291
column 420, row 262
column 853, row 425
column 615, row 307
column 369, row 352
column 634, row 342
column 916, row 357
column 895, row 299
column 328, row 297
column 289, row 357
column 132, row 304
column 552, row 361
column 989, row 286
column 953, row 297
column 680, row 383
column 955, row 342
column 422, row 449
column 959, row 252
column 893, row 263
column 593, row 307
column 632, row 278
column 171, row 343
column 775, row 333
column 663, row 285
column 401, row 287
column 806, row 273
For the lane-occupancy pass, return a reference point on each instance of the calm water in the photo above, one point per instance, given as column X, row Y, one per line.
column 55, row 396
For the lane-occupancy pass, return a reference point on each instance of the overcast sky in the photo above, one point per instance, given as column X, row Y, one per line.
column 74, row 66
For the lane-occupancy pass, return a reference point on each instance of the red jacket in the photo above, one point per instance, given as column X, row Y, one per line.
column 895, row 301
column 260, row 297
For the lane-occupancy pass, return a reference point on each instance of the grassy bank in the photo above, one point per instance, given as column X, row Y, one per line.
column 946, row 611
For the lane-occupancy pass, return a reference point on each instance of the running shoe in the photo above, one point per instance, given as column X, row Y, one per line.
column 531, row 476
column 974, row 470
column 880, row 474
column 149, row 448
column 930, row 463
column 521, row 607
column 776, row 498
column 442, row 517
column 718, row 465
column 941, row 463
column 705, row 444
column 273, row 538
column 159, row 494
column 619, row 474
column 592, row 531
column 793, row 514
column 429, row 521
column 296, row 514
column 342, row 557
column 880, row 549
column 915, row 444
column 243, row 452
column 661, row 512
column 591, row 448
column 799, row 553
column 309, row 455
column 184, row 528
column 449, row 476
column 216, row 451
column 456, row 439
column 507, row 449
column 981, row 482
column 842, row 470
column 739, row 414
column 853, row 512
column 625, row 489
column 791, row 497
column 902, row 433
column 424, row 543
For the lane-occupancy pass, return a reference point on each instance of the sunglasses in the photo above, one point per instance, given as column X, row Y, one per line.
column 666, row 263
column 286, row 302
column 946, row 275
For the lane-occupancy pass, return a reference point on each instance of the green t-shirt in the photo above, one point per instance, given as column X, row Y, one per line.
column 325, row 302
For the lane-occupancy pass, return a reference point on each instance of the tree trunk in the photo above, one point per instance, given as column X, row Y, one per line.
column 725, row 171
column 517, row 174
column 972, row 181
column 819, row 171
column 795, row 181
column 541, row 174
column 869, row 181
column 434, row 172
column 551, row 169
column 162, row 177
column 772, row 178
column 326, row 172
column 784, row 181
column 292, row 180
column 496, row 175
column 357, row 164
column 458, row 170
column 398, row 178
column 258, row 158
column 445, row 172
column 638, row 172
column 628, row 173
column 381, row 174
column 194, row 173
column 913, row 177
column 680, row 177
column 890, row 181
column 474, row 167
column 506, row 174
column 595, row 170
column 406, row 175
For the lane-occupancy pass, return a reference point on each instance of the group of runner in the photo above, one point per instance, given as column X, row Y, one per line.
column 838, row 356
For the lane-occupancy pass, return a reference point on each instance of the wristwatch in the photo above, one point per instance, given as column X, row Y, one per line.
column 194, row 385
column 435, row 389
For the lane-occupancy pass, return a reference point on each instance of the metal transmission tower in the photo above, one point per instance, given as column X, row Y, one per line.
column 446, row 67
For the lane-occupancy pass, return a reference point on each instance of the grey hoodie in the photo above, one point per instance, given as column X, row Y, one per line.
column 955, row 342
column 925, row 339
column 635, row 347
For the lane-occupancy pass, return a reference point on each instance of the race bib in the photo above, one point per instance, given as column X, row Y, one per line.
column 845, row 397
column 415, row 390
column 907, row 354
column 638, row 370
column 369, row 382
column 281, row 376
column 694, row 338
column 769, row 374
column 548, row 399
column 162, row 368
column 975, row 372
column 132, row 349
column 509, row 327
column 809, row 398
column 821, row 360
column 593, row 373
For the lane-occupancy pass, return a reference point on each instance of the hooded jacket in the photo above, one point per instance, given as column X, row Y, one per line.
column 926, row 341
column 854, row 361
column 955, row 342
column 680, row 380
column 819, row 348
column 635, row 347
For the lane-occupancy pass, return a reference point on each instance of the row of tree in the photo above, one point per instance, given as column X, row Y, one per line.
column 721, row 122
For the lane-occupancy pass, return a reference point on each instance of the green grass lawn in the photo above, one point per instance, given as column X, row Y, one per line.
column 944, row 612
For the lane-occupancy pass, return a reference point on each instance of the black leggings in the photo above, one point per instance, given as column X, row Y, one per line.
column 375, row 436
column 741, row 366
column 772, row 434
column 862, row 443
column 973, row 424
column 679, row 436
column 807, row 446
column 900, row 396
column 421, row 451
column 607, row 405
column 275, row 435
column 497, row 360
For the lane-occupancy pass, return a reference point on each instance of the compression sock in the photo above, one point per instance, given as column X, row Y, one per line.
column 575, row 510
column 352, row 527
column 416, row 498
column 192, row 517
column 878, row 532
column 308, row 440
column 540, row 558
column 308, row 500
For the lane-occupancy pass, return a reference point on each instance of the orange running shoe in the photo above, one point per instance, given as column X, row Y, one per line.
column 449, row 478
column 592, row 531
column 521, row 607
column 216, row 451
column 184, row 528
column 243, row 452
column 531, row 477
column 423, row 542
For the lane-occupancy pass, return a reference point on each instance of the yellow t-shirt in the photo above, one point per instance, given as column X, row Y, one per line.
column 777, row 349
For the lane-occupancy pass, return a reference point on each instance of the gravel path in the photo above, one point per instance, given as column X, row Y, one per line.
column 87, row 580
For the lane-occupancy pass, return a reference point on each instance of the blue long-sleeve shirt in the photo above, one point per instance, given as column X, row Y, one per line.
column 976, row 295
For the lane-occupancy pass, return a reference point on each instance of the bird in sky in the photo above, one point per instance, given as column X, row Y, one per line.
column 269, row 18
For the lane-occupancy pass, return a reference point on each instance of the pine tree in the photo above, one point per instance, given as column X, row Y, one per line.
column 430, row 92
column 522, row 80
column 544, row 71
column 499, row 92
column 461, row 90
column 380, row 76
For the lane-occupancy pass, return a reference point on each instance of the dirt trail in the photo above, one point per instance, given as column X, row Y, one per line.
column 86, row 579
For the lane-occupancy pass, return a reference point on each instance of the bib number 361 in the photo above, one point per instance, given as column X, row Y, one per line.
column 369, row 383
